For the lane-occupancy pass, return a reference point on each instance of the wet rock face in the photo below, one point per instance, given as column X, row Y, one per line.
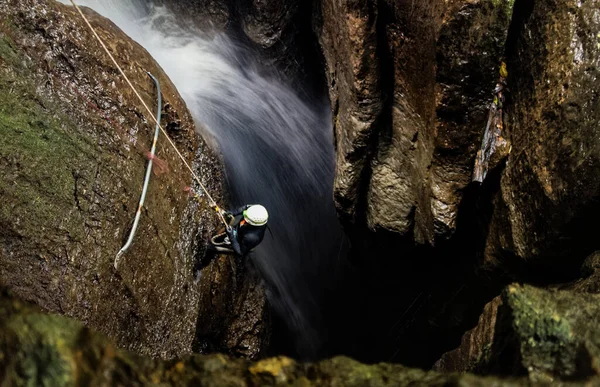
column 72, row 143
column 265, row 21
column 278, row 32
column 239, row 321
column 210, row 14
column 409, row 84
column 41, row 349
column 550, row 191
column 469, row 48
column 545, row 211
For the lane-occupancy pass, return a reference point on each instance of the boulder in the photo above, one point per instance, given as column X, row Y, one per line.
column 475, row 343
column 73, row 139
column 546, row 334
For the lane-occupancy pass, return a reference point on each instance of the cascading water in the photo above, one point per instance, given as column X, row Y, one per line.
column 277, row 149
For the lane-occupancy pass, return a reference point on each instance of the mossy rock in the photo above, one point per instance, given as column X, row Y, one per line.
column 38, row 349
column 546, row 334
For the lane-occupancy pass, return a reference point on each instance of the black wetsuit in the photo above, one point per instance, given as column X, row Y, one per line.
column 244, row 237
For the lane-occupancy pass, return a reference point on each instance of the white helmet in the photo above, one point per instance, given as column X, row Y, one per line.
column 256, row 215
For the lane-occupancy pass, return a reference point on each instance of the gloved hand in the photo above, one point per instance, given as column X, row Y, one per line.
column 227, row 215
column 231, row 233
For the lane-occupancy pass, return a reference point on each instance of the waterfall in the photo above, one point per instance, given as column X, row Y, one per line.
column 277, row 147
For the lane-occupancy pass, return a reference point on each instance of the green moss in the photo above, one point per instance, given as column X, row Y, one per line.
column 44, row 355
column 7, row 51
column 507, row 4
column 547, row 341
column 40, row 151
column 538, row 320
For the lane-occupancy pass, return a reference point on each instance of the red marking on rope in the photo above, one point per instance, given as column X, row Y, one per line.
column 190, row 192
column 161, row 166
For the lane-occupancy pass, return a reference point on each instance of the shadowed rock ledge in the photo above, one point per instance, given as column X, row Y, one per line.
column 41, row 349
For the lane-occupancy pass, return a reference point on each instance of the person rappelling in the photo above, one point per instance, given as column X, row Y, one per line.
column 245, row 231
column 246, row 226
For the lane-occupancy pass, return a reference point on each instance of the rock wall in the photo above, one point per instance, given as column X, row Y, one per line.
column 549, row 193
column 546, row 201
column 73, row 139
column 409, row 84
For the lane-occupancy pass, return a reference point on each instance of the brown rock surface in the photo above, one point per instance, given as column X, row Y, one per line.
column 469, row 48
column 474, row 342
column 409, row 84
column 549, row 195
column 72, row 143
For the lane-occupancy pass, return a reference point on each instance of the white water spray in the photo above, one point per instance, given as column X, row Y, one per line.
column 277, row 149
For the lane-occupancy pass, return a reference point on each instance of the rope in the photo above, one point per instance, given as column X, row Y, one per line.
column 212, row 201
column 138, row 213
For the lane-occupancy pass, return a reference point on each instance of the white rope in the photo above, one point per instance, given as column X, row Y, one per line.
column 213, row 203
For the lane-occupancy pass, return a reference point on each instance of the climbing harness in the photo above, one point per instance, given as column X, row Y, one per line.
column 138, row 214
column 212, row 202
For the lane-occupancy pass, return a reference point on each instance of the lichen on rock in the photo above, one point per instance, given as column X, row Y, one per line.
column 547, row 334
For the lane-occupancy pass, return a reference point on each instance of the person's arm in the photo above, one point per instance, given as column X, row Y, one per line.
column 235, row 244
column 239, row 211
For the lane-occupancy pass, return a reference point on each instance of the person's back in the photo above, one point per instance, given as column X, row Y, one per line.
column 249, row 237
column 249, row 231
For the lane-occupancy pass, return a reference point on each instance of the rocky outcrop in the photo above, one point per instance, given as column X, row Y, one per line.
column 40, row 349
column 208, row 15
column 262, row 22
column 239, row 320
column 474, row 344
column 469, row 49
column 73, row 139
column 545, row 334
column 549, row 194
column 409, row 84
